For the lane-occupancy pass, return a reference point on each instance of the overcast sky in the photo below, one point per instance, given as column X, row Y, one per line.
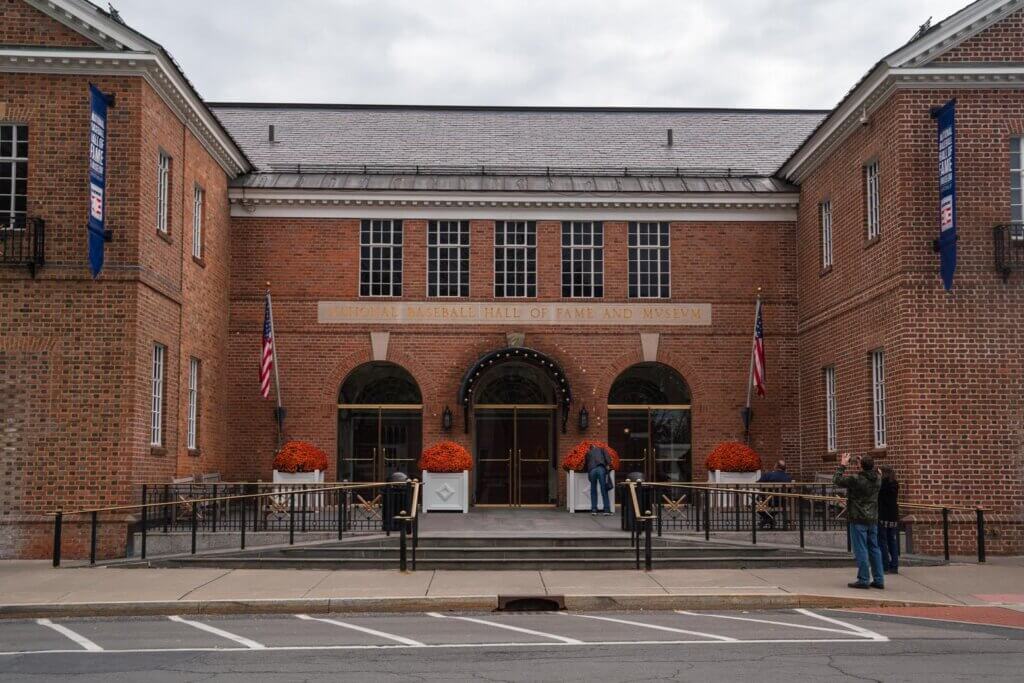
column 680, row 53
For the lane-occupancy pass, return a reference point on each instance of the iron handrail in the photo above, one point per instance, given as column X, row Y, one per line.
column 410, row 522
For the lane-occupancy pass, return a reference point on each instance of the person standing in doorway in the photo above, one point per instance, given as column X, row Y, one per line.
column 598, row 464
column 889, row 521
column 862, row 514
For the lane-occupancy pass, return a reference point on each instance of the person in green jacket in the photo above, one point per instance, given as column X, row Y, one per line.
column 862, row 512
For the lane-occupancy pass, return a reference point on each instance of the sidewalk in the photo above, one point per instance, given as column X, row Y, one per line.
column 32, row 589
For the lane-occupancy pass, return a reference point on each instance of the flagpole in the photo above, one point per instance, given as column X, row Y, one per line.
column 279, row 412
column 750, row 373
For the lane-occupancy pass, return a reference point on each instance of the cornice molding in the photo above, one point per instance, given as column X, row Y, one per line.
column 969, row 22
column 155, row 69
column 874, row 92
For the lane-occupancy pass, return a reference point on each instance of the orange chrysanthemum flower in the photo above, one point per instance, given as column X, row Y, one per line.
column 575, row 459
column 300, row 456
column 446, row 456
column 733, row 456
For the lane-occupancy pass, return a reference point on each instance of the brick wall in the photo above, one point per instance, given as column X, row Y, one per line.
column 25, row 25
column 1000, row 42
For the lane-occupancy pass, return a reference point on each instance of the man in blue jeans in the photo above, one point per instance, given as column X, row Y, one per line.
column 862, row 513
column 598, row 464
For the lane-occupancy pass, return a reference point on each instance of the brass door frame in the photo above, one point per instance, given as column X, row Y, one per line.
column 649, row 458
column 380, row 456
column 515, row 454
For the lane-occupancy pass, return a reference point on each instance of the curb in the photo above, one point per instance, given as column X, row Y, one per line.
column 474, row 603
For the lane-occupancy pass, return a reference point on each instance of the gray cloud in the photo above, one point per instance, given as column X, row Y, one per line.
column 730, row 53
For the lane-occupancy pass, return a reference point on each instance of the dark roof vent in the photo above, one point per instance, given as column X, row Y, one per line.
column 669, row 137
column 270, row 135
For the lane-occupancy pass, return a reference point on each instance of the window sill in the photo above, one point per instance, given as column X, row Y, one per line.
column 194, row 452
column 157, row 450
column 165, row 236
column 879, row 452
column 825, row 271
column 830, row 457
column 199, row 261
column 872, row 242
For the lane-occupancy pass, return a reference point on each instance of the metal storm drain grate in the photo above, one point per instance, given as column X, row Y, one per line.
column 530, row 603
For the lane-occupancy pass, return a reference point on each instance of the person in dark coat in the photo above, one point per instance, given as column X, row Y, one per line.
column 862, row 514
column 889, row 521
column 598, row 464
column 776, row 476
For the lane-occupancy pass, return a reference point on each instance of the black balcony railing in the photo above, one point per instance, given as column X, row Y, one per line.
column 23, row 242
column 1009, row 243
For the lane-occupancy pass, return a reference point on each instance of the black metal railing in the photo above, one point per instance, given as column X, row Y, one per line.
column 1009, row 248
column 23, row 242
column 380, row 507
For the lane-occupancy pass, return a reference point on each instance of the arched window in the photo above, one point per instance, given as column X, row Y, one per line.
column 649, row 422
column 379, row 382
column 515, row 382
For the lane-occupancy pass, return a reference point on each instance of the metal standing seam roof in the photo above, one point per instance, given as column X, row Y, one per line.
column 433, row 148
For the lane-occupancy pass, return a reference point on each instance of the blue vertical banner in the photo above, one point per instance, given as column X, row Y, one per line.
column 946, row 118
column 97, row 177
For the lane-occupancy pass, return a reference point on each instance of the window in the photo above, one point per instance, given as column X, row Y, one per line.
column 1016, row 185
column 648, row 261
column 448, row 258
column 871, row 195
column 380, row 258
column 156, row 435
column 582, row 259
column 830, row 409
column 192, row 426
column 197, row 222
column 13, row 174
column 825, row 222
column 878, row 392
column 515, row 258
column 163, row 187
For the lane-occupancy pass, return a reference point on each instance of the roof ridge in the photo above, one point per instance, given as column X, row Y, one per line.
column 509, row 108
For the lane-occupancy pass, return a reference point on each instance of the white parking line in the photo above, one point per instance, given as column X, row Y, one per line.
column 509, row 627
column 863, row 631
column 769, row 621
column 241, row 640
column 77, row 637
column 380, row 634
column 656, row 627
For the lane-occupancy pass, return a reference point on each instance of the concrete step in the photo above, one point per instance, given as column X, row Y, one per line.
column 518, row 552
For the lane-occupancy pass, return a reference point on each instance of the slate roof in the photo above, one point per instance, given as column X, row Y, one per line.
column 515, row 148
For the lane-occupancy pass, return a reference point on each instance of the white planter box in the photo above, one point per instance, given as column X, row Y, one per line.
column 728, row 500
column 578, row 498
column 298, row 481
column 445, row 491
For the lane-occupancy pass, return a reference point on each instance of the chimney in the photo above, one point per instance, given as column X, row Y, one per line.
column 669, row 137
column 271, row 133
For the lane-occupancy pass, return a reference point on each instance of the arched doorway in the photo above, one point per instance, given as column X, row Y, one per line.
column 649, row 422
column 380, row 423
column 513, row 397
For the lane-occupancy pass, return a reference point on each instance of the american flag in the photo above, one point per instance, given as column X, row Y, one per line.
column 758, row 352
column 267, row 356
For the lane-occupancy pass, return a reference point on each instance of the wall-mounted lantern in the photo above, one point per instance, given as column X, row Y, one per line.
column 584, row 419
column 446, row 419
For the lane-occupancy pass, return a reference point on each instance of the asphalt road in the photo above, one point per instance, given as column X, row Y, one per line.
column 785, row 645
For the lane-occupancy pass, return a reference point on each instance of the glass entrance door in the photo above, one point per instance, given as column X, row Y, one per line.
column 652, row 440
column 377, row 442
column 513, row 448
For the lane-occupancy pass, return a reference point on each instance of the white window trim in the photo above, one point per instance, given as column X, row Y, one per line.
column 163, row 180
column 825, row 223
column 460, row 247
column 527, row 251
column 667, row 247
column 878, row 397
column 596, row 253
column 831, row 410
column 396, row 226
column 7, row 202
column 191, row 431
column 156, row 425
column 873, row 201
column 1017, row 178
column 198, row 205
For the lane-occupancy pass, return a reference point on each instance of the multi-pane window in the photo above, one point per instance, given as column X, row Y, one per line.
column 582, row 259
column 825, row 222
column 156, row 429
column 198, row 199
column 192, row 421
column 871, row 195
column 830, row 408
column 878, row 395
column 1016, row 185
column 163, row 188
column 448, row 258
column 380, row 258
column 515, row 258
column 13, row 174
column 649, row 261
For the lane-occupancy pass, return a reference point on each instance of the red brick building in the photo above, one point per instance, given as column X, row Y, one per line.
column 508, row 267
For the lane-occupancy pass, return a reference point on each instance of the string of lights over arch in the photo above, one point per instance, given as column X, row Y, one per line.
column 563, row 392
